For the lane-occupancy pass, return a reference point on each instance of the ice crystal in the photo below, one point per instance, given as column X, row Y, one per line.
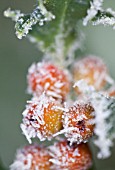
column 104, row 118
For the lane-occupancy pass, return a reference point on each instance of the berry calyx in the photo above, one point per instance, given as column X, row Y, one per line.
column 32, row 157
column 49, row 78
column 92, row 70
column 42, row 118
column 66, row 157
column 78, row 122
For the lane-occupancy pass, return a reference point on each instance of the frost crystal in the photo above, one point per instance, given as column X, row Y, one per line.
column 104, row 118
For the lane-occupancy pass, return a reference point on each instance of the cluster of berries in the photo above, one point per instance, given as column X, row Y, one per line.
column 47, row 115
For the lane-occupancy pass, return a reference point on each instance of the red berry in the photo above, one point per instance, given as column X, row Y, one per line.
column 49, row 78
column 42, row 118
column 75, row 157
column 92, row 70
column 78, row 122
column 32, row 157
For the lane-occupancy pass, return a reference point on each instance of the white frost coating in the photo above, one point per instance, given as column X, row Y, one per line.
column 91, row 13
column 96, row 5
column 109, row 10
column 48, row 15
column 106, row 21
column 30, row 157
column 49, row 78
column 13, row 14
column 102, row 113
column 39, row 15
column 32, row 122
column 102, row 127
column 19, row 162
column 60, row 155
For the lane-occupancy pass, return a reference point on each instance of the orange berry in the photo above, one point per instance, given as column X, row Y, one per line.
column 78, row 122
column 49, row 78
column 66, row 157
column 42, row 118
column 32, row 157
column 92, row 70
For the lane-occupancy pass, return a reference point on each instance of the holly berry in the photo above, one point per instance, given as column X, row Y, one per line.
column 42, row 118
column 92, row 70
column 66, row 157
column 49, row 78
column 78, row 122
column 32, row 157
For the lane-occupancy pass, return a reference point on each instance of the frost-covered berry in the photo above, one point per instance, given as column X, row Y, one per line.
column 49, row 78
column 32, row 157
column 42, row 118
column 78, row 122
column 92, row 70
column 66, row 157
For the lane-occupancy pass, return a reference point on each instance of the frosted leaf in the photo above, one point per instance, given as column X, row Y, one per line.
column 104, row 118
column 107, row 18
column 95, row 5
column 98, row 16
column 24, row 22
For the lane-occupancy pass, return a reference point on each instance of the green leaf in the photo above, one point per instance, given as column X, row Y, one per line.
column 63, row 29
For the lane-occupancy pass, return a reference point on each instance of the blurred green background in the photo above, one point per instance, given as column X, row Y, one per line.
column 15, row 58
